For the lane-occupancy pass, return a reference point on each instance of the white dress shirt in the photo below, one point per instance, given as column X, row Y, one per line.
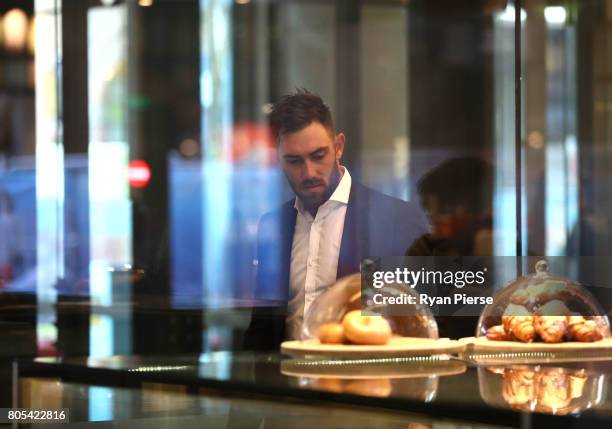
column 314, row 253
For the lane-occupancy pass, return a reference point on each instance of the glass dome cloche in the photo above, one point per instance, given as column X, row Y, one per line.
column 544, row 308
column 337, row 317
column 542, row 389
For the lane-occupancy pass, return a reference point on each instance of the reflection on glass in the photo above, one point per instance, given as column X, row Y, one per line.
column 49, row 170
column 416, row 86
column 100, row 403
column 562, row 172
column 110, row 209
column 100, row 336
column 414, row 377
column 110, row 214
column 550, row 390
column 504, row 200
column 217, row 170
column 421, row 388
column 380, row 387
column 384, row 85
column 40, row 393
column 239, row 181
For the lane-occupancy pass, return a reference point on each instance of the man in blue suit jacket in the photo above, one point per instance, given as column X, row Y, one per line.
column 334, row 221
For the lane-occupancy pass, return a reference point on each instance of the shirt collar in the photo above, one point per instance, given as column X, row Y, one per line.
column 340, row 194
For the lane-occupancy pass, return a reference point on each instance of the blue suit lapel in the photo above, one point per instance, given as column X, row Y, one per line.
column 354, row 234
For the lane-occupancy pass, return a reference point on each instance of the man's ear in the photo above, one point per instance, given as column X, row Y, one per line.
column 339, row 144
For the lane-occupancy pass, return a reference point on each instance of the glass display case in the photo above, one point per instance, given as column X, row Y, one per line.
column 542, row 307
column 331, row 308
column 144, row 201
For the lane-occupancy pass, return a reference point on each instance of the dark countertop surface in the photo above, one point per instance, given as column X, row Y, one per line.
column 507, row 393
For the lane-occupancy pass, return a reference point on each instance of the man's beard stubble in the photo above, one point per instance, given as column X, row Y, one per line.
column 313, row 204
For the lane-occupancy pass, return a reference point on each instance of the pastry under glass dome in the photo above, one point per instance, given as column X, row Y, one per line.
column 542, row 307
column 345, row 296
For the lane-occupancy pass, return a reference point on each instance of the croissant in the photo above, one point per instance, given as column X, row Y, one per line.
column 518, row 386
column 583, row 330
column 551, row 328
column 553, row 391
column 498, row 333
column 520, row 327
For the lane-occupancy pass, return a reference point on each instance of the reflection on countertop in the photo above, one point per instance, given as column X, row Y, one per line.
column 450, row 388
column 543, row 389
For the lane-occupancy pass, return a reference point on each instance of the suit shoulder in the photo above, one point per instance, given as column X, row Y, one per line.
column 377, row 198
column 401, row 211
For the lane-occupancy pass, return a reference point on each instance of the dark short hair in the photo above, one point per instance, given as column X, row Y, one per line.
column 294, row 112
column 465, row 181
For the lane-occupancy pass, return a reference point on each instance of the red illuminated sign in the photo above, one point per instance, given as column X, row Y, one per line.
column 139, row 173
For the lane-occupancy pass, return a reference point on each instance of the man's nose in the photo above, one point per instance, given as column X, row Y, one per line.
column 309, row 170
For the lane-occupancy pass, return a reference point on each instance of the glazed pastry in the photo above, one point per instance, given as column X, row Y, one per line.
column 380, row 387
column 548, row 390
column 518, row 386
column 331, row 333
column 518, row 323
column 551, row 328
column 366, row 330
column 520, row 327
column 330, row 384
column 553, row 391
column 583, row 330
column 498, row 333
column 553, row 308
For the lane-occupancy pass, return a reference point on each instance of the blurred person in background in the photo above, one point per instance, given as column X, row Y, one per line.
column 324, row 232
column 458, row 198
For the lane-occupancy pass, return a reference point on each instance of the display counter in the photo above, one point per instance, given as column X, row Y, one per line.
column 417, row 390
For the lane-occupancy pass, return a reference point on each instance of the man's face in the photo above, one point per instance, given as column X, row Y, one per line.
column 310, row 158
